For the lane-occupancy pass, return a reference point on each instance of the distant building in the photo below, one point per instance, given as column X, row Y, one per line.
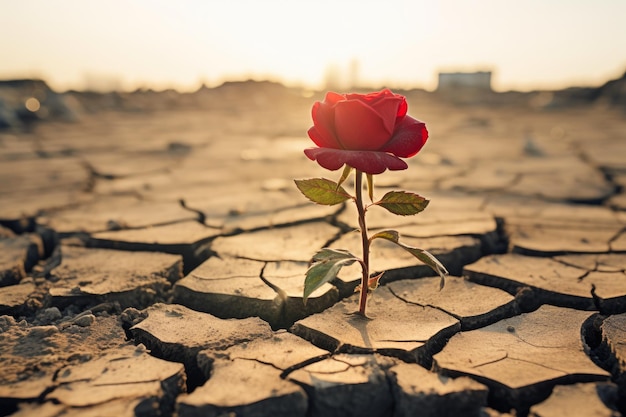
column 480, row 80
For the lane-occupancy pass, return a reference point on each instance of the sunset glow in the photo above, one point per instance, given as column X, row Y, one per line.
column 160, row 44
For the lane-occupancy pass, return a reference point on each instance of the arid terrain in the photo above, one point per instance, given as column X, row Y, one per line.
column 153, row 248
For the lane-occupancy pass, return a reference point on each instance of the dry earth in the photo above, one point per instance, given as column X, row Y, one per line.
column 152, row 260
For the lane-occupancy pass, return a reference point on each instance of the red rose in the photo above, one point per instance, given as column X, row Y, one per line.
column 369, row 132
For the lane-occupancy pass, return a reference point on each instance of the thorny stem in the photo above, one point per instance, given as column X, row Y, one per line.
column 358, row 188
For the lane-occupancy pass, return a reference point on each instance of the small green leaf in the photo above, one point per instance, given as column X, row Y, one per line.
column 373, row 282
column 386, row 234
column 322, row 191
column 424, row 256
column 403, row 203
column 322, row 272
column 344, row 175
column 370, row 186
column 326, row 254
column 427, row 258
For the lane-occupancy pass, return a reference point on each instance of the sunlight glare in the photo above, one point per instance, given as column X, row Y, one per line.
column 302, row 40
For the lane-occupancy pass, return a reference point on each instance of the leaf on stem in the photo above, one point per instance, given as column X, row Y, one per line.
column 332, row 254
column 372, row 283
column 386, row 234
column 326, row 265
column 424, row 256
column 344, row 175
column 402, row 203
column 322, row 191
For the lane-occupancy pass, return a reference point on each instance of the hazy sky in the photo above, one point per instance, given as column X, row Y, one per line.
column 530, row 44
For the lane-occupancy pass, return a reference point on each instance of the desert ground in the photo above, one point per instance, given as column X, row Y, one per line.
column 153, row 248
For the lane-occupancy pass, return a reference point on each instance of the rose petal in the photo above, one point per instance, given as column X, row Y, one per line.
column 327, row 158
column 369, row 162
column 333, row 98
column 322, row 132
column 322, row 140
column 371, row 98
column 388, row 109
column 359, row 127
column 402, row 109
column 408, row 139
column 391, row 107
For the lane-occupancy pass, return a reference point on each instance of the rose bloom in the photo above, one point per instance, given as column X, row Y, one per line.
column 369, row 132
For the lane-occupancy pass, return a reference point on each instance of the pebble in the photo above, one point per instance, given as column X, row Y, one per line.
column 50, row 314
column 85, row 320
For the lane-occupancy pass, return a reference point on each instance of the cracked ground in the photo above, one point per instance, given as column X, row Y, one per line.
column 152, row 263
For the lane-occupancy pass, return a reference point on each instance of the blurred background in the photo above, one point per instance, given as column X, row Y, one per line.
column 336, row 44
column 66, row 59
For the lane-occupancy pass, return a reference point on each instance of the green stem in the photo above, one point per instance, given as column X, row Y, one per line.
column 358, row 188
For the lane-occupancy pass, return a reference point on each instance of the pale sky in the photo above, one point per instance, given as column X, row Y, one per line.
column 530, row 44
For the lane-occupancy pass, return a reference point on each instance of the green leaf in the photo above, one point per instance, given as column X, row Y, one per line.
column 370, row 186
column 427, row 258
column 403, row 203
column 424, row 256
column 326, row 254
column 386, row 234
column 322, row 272
column 344, row 175
column 322, row 191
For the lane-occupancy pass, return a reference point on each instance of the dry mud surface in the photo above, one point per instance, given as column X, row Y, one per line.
column 152, row 264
